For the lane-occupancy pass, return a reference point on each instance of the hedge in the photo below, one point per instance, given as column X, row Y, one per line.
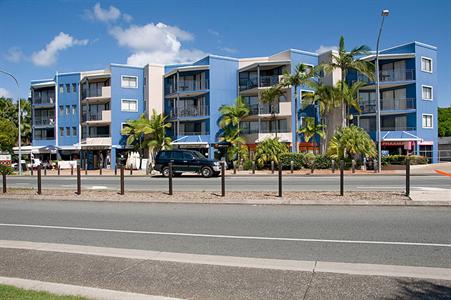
column 401, row 160
column 304, row 161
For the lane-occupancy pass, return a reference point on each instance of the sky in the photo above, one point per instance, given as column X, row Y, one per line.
column 39, row 38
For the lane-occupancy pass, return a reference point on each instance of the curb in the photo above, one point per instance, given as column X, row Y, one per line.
column 75, row 290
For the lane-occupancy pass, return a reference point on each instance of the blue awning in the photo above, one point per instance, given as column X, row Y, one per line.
column 400, row 136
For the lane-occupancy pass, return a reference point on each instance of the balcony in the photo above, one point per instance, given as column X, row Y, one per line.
column 283, row 109
column 187, row 112
column 97, row 93
column 43, row 122
column 265, row 81
column 100, row 118
column 97, row 140
column 398, row 128
column 188, row 87
column 388, row 104
column 44, row 101
column 184, row 133
column 391, row 75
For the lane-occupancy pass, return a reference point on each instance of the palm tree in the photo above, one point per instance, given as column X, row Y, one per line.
column 346, row 61
column 231, row 117
column 326, row 98
column 271, row 97
column 302, row 75
column 352, row 142
column 311, row 129
column 145, row 133
column 269, row 150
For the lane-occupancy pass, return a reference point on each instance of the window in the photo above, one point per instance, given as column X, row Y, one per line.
column 68, row 131
column 67, row 110
column 427, row 121
column 129, row 82
column 61, row 109
column 427, row 92
column 67, row 88
column 426, row 64
column 61, row 88
column 74, row 109
column 130, row 105
column 61, row 131
column 74, row 87
column 74, row 131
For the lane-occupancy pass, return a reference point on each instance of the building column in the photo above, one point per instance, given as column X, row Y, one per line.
column 211, row 152
column 113, row 158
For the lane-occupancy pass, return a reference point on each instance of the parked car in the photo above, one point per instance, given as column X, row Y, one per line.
column 186, row 161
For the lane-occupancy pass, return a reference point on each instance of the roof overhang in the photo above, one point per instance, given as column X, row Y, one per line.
column 186, row 69
column 403, row 136
column 43, row 84
column 389, row 56
column 265, row 64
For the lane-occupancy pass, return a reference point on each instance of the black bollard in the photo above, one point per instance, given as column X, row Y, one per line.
column 253, row 167
column 100, row 171
column 234, row 167
column 115, row 170
column 4, row 183
column 170, row 179
column 59, row 170
column 222, row 179
column 71, row 170
column 342, row 177
column 292, row 166
column 272, row 167
column 45, row 171
column 353, row 166
column 78, row 180
column 122, row 180
column 375, row 166
column 280, row 180
column 39, row 180
column 131, row 170
column 407, row 176
column 333, row 166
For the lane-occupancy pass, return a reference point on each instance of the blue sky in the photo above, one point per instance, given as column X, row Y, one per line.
column 41, row 37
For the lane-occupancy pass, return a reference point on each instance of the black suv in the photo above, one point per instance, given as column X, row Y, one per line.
column 185, row 161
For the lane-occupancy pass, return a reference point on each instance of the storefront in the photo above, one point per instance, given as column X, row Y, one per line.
column 400, row 143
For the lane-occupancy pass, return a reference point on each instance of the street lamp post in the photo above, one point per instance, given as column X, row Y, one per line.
column 19, row 121
column 384, row 14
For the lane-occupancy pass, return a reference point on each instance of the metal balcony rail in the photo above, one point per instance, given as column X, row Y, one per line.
column 247, row 84
column 264, row 130
column 182, row 133
column 271, row 80
column 262, row 109
column 194, row 111
column 50, row 99
column 43, row 122
column 388, row 104
column 92, row 92
column 398, row 128
column 92, row 116
column 391, row 75
column 190, row 85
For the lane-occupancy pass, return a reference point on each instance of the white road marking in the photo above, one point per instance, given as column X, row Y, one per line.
column 221, row 236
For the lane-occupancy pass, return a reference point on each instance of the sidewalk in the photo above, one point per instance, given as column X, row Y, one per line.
column 192, row 276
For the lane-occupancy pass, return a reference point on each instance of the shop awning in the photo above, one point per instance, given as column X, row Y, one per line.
column 400, row 136
column 191, row 140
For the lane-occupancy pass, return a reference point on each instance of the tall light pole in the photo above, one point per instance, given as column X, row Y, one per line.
column 384, row 14
column 19, row 117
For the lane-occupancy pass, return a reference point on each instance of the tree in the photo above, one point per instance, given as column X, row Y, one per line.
column 352, row 142
column 302, row 75
column 444, row 121
column 311, row 129
column 9, row 111
column 271, row 97
column 231, row 117
column 269, row 150
column 327, row 99
column 231, row 135
column 346, row 61
column 8, row 135
column 147, row 134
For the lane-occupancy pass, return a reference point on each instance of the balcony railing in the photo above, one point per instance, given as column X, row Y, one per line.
column 262, row 109
column 101, row 91
column 189, row 85
column 247, row 84
column 266, row 81
column 43, row 122
column 104, row 115
column 398, row 128
column 193, row 133
column 264, row 130
column 45, row 138
column 195, row 111
column 388, row 104
column 391, row 75
column 44, row 100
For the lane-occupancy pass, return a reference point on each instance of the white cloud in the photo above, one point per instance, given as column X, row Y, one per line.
column 5, row 93
column 14, row 54
column 213, row 32
column 156, row 43
column 49, row 54
column 110, row 15
column 323, row 49
column 229, row 50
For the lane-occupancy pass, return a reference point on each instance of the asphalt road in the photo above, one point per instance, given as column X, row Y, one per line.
column 239, row 183
column 415, row 236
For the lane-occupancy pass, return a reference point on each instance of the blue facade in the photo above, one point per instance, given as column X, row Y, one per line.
column 68, row 109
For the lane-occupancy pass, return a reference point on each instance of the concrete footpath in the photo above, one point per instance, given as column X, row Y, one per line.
column 192, row 276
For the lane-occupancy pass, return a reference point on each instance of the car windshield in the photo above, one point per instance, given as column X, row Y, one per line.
column 197, row 154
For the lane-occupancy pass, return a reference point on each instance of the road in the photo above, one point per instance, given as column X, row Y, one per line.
column 239, row 183
column 382, row 235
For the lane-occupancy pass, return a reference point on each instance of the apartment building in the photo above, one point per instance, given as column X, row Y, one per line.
column 82, row 114
column 408, row 83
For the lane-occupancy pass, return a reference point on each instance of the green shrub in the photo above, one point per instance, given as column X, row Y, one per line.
column 297, row 158
column 309, row 160
column 269, row 150
column 401, row 160
column 8, row 170
column 247, row 165
column 322, row 162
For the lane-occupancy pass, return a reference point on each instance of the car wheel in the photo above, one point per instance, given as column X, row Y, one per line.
column 207, row 172
column 165, row 172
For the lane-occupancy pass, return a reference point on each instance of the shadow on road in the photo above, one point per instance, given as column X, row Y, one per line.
column 422, row 290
